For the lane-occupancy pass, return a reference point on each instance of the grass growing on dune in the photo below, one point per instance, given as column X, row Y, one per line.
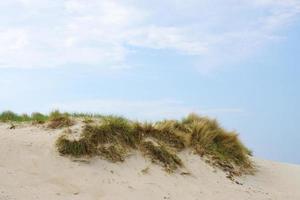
column 113, row 153
column 208, row 138
column 9, row 116
column 75, row 147
column 59, row 120
column 114, row 137
column 162, row 155
column 39, row 118
column 56, row 119
column 111, row 130
column 111, row 140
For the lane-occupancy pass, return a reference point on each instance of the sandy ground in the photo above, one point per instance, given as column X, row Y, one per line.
column 30, row 168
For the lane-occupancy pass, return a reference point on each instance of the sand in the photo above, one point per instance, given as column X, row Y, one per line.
column 30, row 168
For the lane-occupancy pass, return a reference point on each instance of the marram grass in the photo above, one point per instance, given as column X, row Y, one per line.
column 59, row 120
column 37, row 118
column 113, row 138
column 162, row 155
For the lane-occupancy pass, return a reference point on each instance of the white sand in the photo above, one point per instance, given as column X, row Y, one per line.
column 30, row 168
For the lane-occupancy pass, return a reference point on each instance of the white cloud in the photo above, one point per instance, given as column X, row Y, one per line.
column 167, row 38
column 147, row 110
column 57, row 33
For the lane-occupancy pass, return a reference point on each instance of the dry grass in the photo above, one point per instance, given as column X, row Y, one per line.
column 113, row 137
column 209, row 138
column 74, row 147
column 36, row 118
column 113, row 153
column 163, row 132
column 162, row 155
column 113, row 130
column 39, row 118
column 87, row 120
column 110, row 139
column 59, row 120
column 9, row 116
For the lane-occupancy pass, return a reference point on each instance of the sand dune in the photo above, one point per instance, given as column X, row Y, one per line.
column 30, row 168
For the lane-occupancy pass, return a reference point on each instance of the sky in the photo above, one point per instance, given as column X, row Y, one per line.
column 236, row 61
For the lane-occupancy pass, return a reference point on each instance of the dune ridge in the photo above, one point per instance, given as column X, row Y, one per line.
column 114, row 137
column 31, row 168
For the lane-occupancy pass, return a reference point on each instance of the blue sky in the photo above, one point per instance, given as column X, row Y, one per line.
column 237, row 61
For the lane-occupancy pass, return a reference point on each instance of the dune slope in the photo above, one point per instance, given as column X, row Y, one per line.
column 30, row 168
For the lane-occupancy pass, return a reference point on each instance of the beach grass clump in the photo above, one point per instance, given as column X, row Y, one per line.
column 113, row 137
column 113, row 153
column 163, row 132
column 83, row 147
column 121, row 129
column 112, row 130
column 75, row 148
column 9, row 116
column 38, row 118
column 87, row 120
column 208, row 138
column 98, row 134
column 229, row 148
column 171, row 132
column 59, row 120
column 162, row 155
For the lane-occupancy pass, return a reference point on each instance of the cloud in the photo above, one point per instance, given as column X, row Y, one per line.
column 55, row 33
column 147, row 110
column 167, row 38
column 67, row 33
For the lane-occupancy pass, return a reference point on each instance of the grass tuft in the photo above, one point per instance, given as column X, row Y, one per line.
column 161, row 154
column 9, row 116
column 36, row 118
column 39, row 118
column 59, row 120
column 208, row 138
column 75, row 148
column 112, row 130
column 112, row 137
column 113, row 153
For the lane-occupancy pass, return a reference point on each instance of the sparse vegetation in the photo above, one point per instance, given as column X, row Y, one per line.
column 87, row 120
column 39, row 118
column 75, row 147
column 113, row 153
column 9, row 116
column 113, row 137
column 162, row 155
column 59, row 120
